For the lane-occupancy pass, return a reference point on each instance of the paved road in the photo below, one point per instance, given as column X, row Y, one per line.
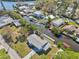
column 10, row 51
column 66, row 39
column 29, row 55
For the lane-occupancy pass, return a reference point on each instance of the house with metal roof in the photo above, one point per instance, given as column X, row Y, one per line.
column 38, row 42
column 5, row 20
column 58, row 22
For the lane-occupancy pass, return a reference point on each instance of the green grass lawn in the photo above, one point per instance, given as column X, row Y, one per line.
column 3, row 54
column 22, row 48
column 67, row 55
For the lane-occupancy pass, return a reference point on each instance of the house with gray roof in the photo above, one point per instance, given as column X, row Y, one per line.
column 58, row 22
column 38, row 14
column 38, row 42
column 5, row 20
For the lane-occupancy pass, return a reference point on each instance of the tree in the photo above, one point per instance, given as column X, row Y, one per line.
column 56, row 31
column 32, row 28
column 23, row 22
column 60, row 44
column 45, row 5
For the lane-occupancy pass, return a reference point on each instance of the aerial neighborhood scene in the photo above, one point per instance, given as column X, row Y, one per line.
column 39, row 29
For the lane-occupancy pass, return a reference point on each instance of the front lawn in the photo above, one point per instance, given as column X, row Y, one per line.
column 22, row 48
column 3, row 54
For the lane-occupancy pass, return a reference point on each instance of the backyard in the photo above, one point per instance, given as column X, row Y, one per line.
column 16, row 39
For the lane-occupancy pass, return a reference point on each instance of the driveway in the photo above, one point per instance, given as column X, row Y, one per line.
column 29, row 55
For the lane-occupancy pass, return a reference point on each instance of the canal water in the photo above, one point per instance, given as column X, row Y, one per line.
column 9, row 5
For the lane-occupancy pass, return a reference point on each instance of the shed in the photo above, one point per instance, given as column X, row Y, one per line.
column 16, row 23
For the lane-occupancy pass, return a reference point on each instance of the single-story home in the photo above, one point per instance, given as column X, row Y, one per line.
column 38, row 42
column 69, row 28
column 5, row 20
column 38, row 14
column 58, row 22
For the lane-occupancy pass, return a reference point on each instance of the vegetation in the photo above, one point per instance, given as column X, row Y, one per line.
column 21, row 48
column 60, row 44
column 67, row 55
column 56, row 31
column 3, row 54
column 45, row 5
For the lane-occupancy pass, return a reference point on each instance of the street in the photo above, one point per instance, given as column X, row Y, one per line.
column 12, row 53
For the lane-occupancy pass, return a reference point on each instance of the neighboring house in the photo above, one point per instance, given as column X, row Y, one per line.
column 50, row 16
column 58, row 22
column 70, row 29
column 23, row 7
column 5, row 20
column 24, row 10
column 38, row 14
column 16, row 23
column 38, row 42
